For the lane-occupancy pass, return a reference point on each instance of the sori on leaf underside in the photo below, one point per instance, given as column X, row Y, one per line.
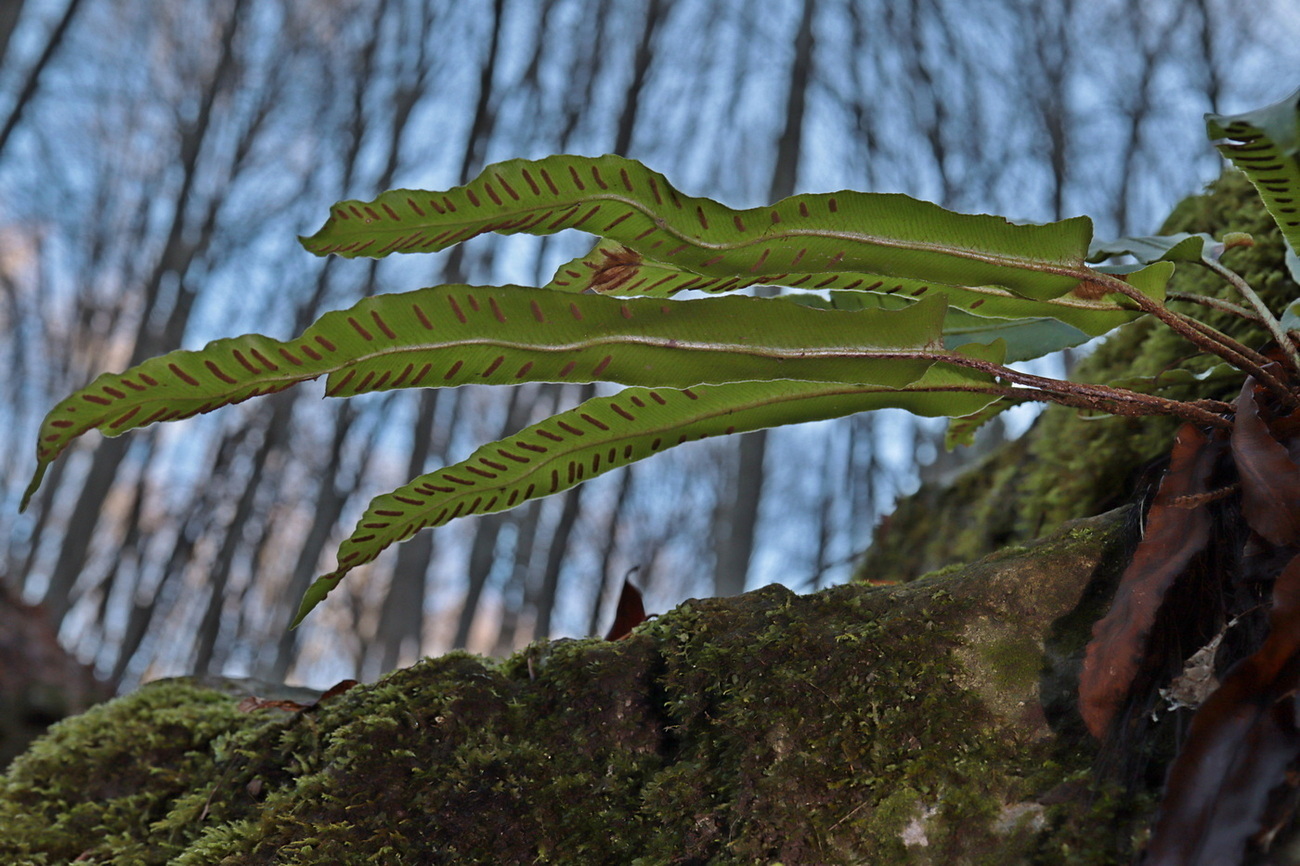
column 892, row 302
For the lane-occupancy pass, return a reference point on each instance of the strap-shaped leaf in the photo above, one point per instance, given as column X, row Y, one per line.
column 1180, row 247
column 613, row 269
column 456, row 335
column 608, row 432
column 1025, row 338
column 622, row 200
column 1265, row 145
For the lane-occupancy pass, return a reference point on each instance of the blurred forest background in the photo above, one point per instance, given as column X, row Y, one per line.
column 157, row 161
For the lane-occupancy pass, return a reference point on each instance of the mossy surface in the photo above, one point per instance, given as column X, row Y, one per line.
column 1068, row 466
column 857, row 725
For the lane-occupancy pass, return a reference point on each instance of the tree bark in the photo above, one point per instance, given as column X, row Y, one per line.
column 9, row 15
column 738, row 531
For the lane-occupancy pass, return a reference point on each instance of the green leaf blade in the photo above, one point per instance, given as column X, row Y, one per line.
column 517, row 335
column 1265, row 145
column 622, row 200
column 607, row 433
column 1180, row 247
column 612, row 269
column 455, row 335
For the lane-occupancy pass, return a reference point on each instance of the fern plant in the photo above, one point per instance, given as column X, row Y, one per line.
column 894, row 303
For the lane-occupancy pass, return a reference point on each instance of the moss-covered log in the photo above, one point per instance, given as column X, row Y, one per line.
column 858, row 725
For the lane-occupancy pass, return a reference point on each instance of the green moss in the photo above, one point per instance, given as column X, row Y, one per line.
column 1070, row 466
column 840, row 727
column 1013, row 661
column 91, row 786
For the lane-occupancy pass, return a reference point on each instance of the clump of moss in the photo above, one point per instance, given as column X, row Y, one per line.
column 94, row 787
column 859, row 724
column 1069, row 466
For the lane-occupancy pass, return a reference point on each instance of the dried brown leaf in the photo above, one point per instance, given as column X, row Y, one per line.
column 1238, row 747
column 1270, row 481
column 1175, row 534
column 629, row 614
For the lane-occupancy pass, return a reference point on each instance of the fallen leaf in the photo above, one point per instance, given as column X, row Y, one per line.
column 630, row 612
column 1270, row 481
column 1238, row 747
column 1175, row 534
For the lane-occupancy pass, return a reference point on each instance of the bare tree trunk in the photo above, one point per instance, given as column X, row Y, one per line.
column 480, row 130
column 833, row 467
column 1052, row 40
column 9, row 12
column 1210, row 54
column 401, row 618
column 610, row 584
column 333, row 492
column 331, row 497
column 175, row 259
column 151, row 604
column 1136, row 112
column 479, row 568
column 559, row 548
column 741, row 513
column 274, row 432
column 486, row 530
column 515, row 589
column 640, row 68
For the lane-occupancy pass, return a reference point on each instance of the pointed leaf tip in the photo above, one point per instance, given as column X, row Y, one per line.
column 315, row 594
column 35, row 485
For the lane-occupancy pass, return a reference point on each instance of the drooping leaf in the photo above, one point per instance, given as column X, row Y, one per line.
column 961, row 431
column 1175, row 533
column 613, row 269
column 1270, row 482
column 608, row 432
column 455, row 335
column 1265, row 145
column 621, row 200
column 1238, row 748
column 1180, row 247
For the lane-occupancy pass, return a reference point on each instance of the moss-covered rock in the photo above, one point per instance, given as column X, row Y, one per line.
column 857, row 725
column 1069, row 466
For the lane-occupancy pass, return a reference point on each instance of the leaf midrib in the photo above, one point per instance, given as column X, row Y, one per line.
column 892, row 353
